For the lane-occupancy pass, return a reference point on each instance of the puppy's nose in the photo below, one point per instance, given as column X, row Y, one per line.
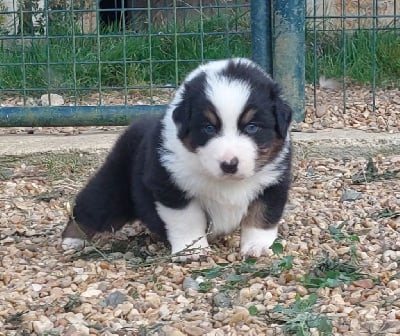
column 230, row 167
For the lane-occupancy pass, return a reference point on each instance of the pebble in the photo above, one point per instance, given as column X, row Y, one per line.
column 301, row 290
column 350, row 195
column 123, row 308
column 77, row 330
column 190, row 283
column 164, row 311
column 114, row 299
column 36, row 287
column 222, row 300
column 170, row 331
column 240, row 314
column 42, row 325
column 161, row 294
column 91, row 292
column 194, row 331
column 154, row 300
column 52, row 99
column 394, row 284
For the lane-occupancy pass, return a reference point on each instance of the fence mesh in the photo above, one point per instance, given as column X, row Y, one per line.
column 352, row 62
column 108, row 52
column 122, row 52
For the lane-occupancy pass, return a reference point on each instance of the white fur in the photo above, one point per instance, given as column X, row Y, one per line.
column 256, row 242
column 209, row 68
column 224, row 198
column 186, row 228
column 225, row 148
column 229, row 98
column 73, row 244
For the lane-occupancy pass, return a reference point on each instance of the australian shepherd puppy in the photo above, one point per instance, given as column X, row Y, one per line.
column 219, row 158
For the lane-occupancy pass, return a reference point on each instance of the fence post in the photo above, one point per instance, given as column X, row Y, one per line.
column 289, row 52
column 261, row 35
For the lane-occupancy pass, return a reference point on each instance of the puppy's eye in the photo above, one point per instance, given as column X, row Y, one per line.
column 251, row 128
column 209, row 129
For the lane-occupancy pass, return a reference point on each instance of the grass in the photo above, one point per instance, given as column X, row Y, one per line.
column 89, row 64
column 66, row 64
column 352, row 55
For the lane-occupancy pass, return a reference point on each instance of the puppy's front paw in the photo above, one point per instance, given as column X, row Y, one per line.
column 256, row 242
column 73, row 244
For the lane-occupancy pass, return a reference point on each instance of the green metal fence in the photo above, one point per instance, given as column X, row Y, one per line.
column 104, row 61
column 110, row 54
column 353, row 63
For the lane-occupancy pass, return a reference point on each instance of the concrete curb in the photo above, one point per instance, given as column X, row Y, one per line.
column 326, row 143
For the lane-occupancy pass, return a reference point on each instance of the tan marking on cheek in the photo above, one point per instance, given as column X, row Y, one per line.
column 255, row 215
column 212, row 118
column 187, row 142
column 268, row 153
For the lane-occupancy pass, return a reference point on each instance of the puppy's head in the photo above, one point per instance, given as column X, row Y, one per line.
column 231, row 115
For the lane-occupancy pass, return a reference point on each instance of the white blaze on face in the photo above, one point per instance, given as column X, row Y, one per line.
column 229, row 98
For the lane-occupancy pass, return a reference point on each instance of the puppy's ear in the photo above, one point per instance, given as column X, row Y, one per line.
column 283, row 114
column 282, row 111
column 181, row 118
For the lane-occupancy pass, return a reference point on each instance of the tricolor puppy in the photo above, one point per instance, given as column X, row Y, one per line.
column 219, row 158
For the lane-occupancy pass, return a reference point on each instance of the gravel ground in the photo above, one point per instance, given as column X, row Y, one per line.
column 339, row 264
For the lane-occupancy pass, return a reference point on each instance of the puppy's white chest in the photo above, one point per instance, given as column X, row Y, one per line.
column 225, row 218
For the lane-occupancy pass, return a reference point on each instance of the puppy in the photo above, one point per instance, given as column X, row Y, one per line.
column 219, row 158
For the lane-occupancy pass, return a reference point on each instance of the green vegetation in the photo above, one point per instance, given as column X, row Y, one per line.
column 352, row 55
column 89, row 61
column 70, row 61
column 298, row 318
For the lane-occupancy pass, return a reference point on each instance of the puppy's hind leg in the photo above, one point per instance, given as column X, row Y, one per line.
column 104, row 204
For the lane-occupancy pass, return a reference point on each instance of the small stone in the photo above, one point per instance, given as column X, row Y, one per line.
column 52, row 99
column 350, row 195
column 190, row 283
column 245, row 294
column 222, row 300
column 182, row 299
column 241, row 314
column 164, row 311
column 114, row 299
column 337, row 299
column 44, row 324
column 170, row 331
column 394, row 284
column 153, row 299
column 256, row 288
column 125, row 308
column 90, row 292
column 364, row 283
column 85, row 308
column 36, row 287
column 194, row 331
column 320, row 110
column 301, row 290
column 77, row 330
